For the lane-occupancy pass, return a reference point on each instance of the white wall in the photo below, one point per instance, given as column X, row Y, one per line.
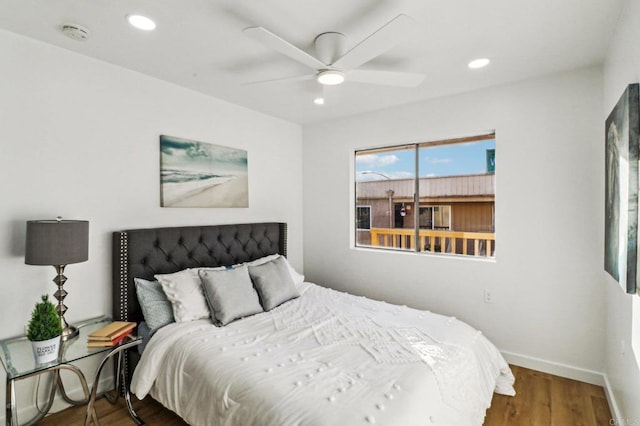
column 622, row 67
column 80, row 139
column 546, row 279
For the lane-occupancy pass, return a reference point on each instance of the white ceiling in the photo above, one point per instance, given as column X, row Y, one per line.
column 200, row 45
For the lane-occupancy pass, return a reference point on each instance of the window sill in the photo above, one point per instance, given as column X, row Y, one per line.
column 483, row 259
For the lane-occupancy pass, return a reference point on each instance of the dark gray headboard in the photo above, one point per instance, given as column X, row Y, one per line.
column 143, row 253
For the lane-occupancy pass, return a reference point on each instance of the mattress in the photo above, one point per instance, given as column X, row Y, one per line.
column 325, row 358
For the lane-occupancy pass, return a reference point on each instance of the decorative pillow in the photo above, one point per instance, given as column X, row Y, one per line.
column 145, row 333
column 274, row 283
column 262, row 260
column 230, row 294
column 155, row 306
column 297, row 277
column 184, row 291
column 259, row 261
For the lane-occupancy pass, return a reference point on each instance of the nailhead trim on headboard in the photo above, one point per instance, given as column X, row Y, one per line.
column 284, row 240
column 123, row 277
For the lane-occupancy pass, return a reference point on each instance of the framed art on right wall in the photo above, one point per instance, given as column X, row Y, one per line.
column 621, row 189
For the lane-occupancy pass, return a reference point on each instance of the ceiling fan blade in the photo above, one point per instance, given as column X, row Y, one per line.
column 271, row 40
column 274, row 80
column 389, row 35
column 387, row 78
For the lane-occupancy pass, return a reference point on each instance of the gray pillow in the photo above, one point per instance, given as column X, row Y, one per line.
column 229, row 293
column 144, row 332
column 273, row 283
column 156, row 308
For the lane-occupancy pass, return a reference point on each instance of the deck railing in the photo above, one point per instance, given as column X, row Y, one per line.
column 465, row 243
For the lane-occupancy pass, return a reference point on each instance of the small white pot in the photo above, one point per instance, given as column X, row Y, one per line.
column 46, row 350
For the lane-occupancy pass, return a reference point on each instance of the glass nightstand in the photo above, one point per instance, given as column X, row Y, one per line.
column 16, row 356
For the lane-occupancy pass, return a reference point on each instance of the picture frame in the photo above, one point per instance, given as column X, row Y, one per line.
column 202, row 175
column 622, row 129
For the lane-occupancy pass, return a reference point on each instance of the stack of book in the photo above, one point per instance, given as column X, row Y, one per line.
column 110, row 334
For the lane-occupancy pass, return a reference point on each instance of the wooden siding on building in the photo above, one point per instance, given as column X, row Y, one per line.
column 458, row 186
column 472, row 217
column 465, row 216
column 432, row 187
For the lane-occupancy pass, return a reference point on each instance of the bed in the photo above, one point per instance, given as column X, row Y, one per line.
column 322, row 358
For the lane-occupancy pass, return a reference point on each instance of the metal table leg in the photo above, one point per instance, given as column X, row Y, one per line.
column 91, row 411
column 11, row 416
column 83, row 382
column 11, row 412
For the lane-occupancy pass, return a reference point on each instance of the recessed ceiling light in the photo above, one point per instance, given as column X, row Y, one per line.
column 330, row 77
column 478, row 63
column 141, row 22
column 318, row 101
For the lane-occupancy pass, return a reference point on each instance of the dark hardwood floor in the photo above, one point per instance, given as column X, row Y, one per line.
column 541, row 400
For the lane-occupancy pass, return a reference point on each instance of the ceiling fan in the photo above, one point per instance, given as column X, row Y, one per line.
column 333, row 65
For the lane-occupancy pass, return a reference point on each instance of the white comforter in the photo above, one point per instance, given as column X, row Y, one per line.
column 326, row 358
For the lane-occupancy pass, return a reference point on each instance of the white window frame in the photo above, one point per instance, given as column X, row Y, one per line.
column 415, row 146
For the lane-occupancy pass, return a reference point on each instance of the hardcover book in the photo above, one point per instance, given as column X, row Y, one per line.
column 112, row 331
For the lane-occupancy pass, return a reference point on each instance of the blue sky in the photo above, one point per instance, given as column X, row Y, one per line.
column 440, row 160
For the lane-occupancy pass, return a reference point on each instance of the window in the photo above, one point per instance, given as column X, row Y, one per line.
column 428, row 197
column 435, row 217
column 363, row 217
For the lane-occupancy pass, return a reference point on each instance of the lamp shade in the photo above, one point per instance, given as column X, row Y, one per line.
column 57, row 242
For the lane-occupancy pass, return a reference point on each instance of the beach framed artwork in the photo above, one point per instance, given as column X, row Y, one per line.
column 199, row 174
column 621, row 189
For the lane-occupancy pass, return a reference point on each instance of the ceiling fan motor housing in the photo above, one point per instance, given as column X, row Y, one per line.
column 330, row 47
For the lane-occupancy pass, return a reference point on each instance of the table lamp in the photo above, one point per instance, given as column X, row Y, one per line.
column 58, row 243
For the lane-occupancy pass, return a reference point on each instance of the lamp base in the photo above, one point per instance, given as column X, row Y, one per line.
column 69, row 333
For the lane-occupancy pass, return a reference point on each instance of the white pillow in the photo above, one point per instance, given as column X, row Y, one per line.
column 256, row 262
column 298, row 278
column 184, row 291
column 262, row 260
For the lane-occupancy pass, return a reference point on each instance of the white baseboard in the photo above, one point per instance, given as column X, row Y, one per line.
column 556, row 368
column 570, row 372
column 611, row 399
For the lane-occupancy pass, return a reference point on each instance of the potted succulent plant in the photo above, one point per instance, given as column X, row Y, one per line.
column 44, row 331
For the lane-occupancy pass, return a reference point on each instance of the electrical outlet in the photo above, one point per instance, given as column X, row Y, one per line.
column 488, row 296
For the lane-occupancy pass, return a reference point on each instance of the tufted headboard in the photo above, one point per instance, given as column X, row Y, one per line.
column 143, row 253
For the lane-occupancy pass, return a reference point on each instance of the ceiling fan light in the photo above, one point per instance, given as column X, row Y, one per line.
column 141, row 22
column 330, row 77
column 478, row 63
column 318, row 101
